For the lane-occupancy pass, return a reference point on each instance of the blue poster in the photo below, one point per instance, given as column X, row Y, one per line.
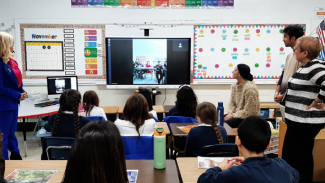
column 90, row 44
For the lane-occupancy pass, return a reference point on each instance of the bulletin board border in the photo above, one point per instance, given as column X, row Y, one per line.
column 62, row 26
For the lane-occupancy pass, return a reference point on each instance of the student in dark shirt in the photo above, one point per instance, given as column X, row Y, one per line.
column 159, row 72
column 207, row 132
column 67, row 123
column 185, row 104
column 165, row 72
column 253, row 138
column 97, row 155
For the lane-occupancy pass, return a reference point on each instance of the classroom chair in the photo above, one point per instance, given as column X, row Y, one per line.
column 136, row 148
column 179, row 119
column 220, row 150
column 95, row 118
column 56, row 148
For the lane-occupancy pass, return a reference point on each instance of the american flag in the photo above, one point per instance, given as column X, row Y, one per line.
column 321, row 36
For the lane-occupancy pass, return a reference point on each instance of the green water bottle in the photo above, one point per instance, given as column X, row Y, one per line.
column 160, row 148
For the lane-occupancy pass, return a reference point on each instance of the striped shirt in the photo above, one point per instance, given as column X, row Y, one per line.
column 307, row 84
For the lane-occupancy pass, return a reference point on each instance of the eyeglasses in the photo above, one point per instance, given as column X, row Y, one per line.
column 295, row 49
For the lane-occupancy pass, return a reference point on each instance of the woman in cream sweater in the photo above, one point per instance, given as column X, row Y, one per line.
column 244, row 100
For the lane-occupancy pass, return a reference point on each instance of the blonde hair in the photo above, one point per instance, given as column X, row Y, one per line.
column 311, row 45
column 6, row 41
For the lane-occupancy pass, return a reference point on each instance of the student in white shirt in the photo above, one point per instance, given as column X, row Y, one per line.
column 146, row 93
column 136, row 120
column 91, row 100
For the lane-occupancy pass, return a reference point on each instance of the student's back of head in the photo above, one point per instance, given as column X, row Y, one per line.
column 91, row 99
column 146, row 93
column 186, row 101
column 254, row 134
column 136, row 110
column 69, row 101
column 97, row 155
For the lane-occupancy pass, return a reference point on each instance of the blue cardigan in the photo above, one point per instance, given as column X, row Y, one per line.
column 10, row 93
column 201, row 136
column 254, row 169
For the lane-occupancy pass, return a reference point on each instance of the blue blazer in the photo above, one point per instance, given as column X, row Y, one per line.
column 10, row 93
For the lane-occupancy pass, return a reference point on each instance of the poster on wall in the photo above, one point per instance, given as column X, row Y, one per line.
column 218, row 49
column 52, row 50
column 9, row 27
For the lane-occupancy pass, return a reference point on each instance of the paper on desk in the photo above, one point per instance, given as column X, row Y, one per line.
column 133, row 175
column 29, row 176
column 208, row 162
column 187, row 128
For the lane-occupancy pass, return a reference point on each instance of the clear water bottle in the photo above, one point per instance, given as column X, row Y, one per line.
column 160, row 148
column 220, row 111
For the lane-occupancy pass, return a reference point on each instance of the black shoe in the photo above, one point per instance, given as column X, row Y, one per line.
column 15, row 156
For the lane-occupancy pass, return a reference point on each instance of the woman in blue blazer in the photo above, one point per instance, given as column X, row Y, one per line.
column 11, row 92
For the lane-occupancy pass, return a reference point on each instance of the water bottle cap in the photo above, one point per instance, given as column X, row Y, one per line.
column 160, row 132
column 220, row 104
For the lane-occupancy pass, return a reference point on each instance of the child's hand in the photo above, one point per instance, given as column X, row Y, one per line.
column 226, row 164
column 238, row 159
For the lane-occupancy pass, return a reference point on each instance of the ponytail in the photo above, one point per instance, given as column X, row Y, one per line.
column 218, row 133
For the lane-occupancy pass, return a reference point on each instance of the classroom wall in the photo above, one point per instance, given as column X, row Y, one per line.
column 244, row 10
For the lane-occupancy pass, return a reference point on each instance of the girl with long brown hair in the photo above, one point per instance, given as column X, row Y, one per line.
column 207, row 132
column 91, row 102
column 67, row 123
column 136, row 120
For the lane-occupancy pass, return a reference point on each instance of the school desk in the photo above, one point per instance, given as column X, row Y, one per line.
column 188, row 169
column 177, row 132
column 147, row 173
column 164, row 126
column 318, row 152
column 157, row 108
column 110, row 109
column 28, row 110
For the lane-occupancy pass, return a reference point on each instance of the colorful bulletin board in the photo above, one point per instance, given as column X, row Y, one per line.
column 229, row 4
column 55, row 50
column 219, row 48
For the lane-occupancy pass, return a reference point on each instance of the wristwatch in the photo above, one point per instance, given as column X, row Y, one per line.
column 318, row 103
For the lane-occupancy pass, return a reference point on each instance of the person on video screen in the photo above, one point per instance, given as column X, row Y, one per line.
column 159, row 72
column 165, row 72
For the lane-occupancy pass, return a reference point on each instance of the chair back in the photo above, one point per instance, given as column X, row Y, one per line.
column 56, row 148
column 179, row 119
column 138, row 149
column 157, row 120
column 220, row 150
column 95, row 118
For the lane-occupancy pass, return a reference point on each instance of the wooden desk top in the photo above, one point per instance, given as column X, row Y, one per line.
column 147, row 173
column 164, row 126
column 188, row 169
column 120, row 110
column 110, row 109
column 159, row 109
column 168, row 107
column 177, row 132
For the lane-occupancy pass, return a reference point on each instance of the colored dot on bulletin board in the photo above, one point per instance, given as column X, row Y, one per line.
column 212, row 49
column 213, row 31
column 235, row 49
column 281, row 49
column 257, row 65
column 217, row 66
column 223, row 49
column 247, row 30
column 246, row 49
column 200, row 66
column 201, row 49
column 282, row 66
column 268, row 49
column 268, row 65
column 258, row 31
column 224, row 31
column 201, row 31
column 230, row 65
column 235, row 31
column 268, row 31
column 257, row 49
column 281, row 31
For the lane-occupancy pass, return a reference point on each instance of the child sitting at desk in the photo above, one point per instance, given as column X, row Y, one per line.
column 207, row 132
column 67, row 123
column 136, row 120
column 97, row 155
column 146, row 93
column 253, row 139
column 91, row 100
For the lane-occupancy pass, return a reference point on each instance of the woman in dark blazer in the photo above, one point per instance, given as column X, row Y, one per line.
column 11, row 92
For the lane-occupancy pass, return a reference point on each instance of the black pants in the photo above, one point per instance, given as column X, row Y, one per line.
column 234, row 122
column 160, row 76
column 298, row 148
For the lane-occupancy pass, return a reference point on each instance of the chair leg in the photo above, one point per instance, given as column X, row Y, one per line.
column 171, row 149
column 37, row 124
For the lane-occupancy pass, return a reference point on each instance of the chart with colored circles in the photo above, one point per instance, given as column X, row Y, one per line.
column 218, row 49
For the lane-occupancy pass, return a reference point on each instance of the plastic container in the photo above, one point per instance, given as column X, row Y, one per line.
column 160, row 148
column 221, row 114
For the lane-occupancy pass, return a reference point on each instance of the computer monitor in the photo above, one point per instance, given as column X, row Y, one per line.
column 57, row 84
column 142, row 62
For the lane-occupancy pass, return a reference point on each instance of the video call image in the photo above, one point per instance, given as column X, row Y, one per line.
column 60, row 85
column 150, row 61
